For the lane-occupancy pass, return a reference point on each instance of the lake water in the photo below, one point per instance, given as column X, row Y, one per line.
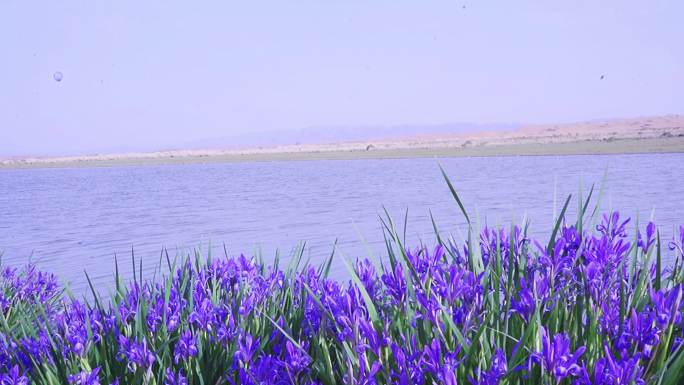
column 70, row 220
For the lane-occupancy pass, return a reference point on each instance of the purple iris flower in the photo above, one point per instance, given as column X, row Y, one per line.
column 498, row 369
column 37, row 347
column 268, row 370
column 13, row 377
column 203, row 316
column 438, row 363
column 372, row 340
column 556, row 357
column 175, row 379
column 640, row 333
column 666, row 306
column 297, row 359
column 154, row 315
column 448, row 375
column 136, row 353
column 611, row 226
column 608, row 371
column 646, row 243
column 247, row 347
column 185, row 348
column 366, row 376
column 85, row 378
column 226, row 333
column 525, row 304
column 366, row 273
column 432, row 357
column 395, row 283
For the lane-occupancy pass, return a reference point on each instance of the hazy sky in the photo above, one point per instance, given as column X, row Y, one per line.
column 150, row 75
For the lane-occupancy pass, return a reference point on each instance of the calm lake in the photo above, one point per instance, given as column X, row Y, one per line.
column 70, row 220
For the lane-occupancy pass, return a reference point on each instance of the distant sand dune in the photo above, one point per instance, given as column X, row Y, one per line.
column 648, row 134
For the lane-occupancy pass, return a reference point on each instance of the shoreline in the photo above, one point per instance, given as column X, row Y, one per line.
column 355, row 151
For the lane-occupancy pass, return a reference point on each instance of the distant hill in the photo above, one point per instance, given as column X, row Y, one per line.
column 341, row 134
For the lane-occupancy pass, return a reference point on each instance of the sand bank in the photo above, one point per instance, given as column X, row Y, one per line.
column 642, row 135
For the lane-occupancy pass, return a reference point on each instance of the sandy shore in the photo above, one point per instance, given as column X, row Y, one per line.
column 642, row 135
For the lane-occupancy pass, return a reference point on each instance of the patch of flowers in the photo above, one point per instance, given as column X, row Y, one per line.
column 588, row 307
